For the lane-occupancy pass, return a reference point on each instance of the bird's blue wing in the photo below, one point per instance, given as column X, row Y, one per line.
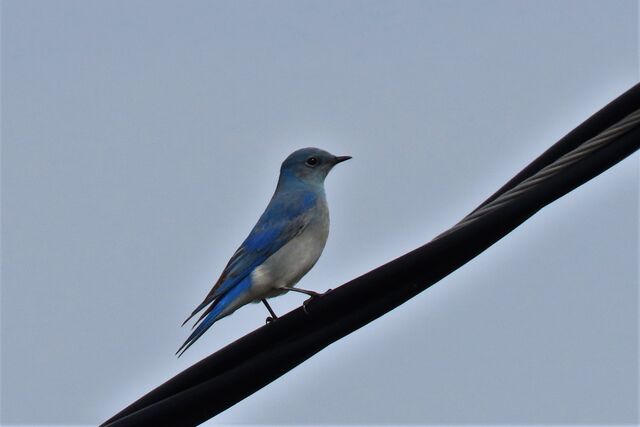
column 285, row 217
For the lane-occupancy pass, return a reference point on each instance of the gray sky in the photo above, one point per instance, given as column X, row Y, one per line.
column 141, row 140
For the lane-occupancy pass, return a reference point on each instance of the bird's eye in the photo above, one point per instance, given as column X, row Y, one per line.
column 312, row 161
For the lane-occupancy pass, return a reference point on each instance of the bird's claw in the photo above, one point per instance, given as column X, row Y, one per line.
column 315, row 296
column 305, row 304
column 318, row 294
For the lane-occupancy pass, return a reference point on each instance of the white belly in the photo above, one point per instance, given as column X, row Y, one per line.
column 287, row 266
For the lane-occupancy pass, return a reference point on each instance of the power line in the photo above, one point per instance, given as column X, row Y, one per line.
column 608, row 136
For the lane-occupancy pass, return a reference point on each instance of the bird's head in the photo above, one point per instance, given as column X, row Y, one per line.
column 309, row 166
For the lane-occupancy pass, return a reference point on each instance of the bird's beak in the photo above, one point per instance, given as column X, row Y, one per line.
column 340, row 159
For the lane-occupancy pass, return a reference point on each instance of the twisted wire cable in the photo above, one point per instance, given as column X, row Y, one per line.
column 605, row 137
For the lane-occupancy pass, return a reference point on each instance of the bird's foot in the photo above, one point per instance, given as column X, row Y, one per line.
column 270, row 320
column 315, row 295
column 306, row 305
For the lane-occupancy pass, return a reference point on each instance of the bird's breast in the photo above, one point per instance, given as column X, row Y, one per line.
column 287, row 266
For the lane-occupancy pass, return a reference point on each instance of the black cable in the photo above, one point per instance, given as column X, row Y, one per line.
column 609, row 115
column 243, row 367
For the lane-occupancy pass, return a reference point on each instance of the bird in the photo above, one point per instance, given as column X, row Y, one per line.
column 282, row 247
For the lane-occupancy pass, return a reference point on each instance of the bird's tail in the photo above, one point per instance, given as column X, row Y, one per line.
column 219, row 308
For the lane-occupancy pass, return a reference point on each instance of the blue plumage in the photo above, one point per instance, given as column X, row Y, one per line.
column 284, row 244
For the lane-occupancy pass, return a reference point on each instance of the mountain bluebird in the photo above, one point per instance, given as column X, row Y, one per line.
column 282, row 247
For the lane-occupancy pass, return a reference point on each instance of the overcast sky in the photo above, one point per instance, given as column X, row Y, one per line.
column 141, row 140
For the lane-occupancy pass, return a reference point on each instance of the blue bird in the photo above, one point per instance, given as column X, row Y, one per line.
column 282, row 247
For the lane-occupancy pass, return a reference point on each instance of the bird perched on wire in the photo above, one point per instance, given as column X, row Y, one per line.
column 282, row 247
